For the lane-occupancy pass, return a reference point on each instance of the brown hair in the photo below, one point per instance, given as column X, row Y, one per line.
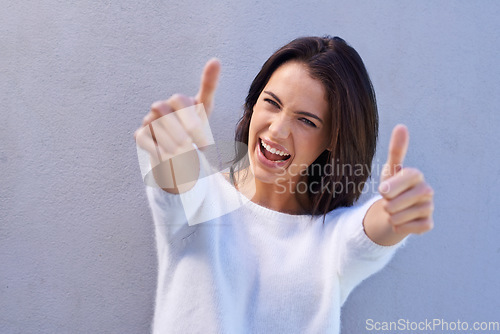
column 352, row 103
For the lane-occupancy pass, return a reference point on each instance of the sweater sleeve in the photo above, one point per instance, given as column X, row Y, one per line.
column 175, row 215
column 174, row 212
column 359, row 256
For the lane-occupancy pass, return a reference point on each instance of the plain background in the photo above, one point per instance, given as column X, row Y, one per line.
column 76, row 236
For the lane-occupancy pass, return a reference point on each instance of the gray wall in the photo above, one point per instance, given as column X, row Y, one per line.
column 76, row 236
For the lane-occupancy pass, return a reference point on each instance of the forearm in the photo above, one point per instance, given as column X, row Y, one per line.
column 378, row 227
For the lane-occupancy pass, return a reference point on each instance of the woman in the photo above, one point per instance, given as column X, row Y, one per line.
column 282, row 249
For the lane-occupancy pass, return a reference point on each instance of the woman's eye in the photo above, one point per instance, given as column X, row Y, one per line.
column 272, row 102
column 308, row 122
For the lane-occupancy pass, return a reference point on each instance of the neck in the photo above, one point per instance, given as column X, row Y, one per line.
column 282, row 197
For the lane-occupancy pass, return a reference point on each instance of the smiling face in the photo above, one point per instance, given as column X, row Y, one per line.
column 290, row 125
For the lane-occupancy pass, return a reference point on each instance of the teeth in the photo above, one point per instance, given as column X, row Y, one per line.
column 273, row 150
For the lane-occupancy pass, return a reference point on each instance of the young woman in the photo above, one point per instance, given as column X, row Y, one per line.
column 274, row 244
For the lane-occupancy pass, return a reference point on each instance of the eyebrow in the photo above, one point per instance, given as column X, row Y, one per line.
column 305, row 113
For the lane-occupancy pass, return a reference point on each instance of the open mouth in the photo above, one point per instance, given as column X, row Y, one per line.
column 272, row 154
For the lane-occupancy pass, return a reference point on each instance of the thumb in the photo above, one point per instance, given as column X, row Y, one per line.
column 398, row 147
column 209, row 80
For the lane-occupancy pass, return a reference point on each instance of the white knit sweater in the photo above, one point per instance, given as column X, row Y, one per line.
column 228, row 265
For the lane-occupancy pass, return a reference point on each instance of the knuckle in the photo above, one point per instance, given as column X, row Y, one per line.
column 427, row 225
column 146, row 119
column 177, row 98
column 389, row 208
column 426, row 209
column 414, row 173
column 428, row 191
column 384, row 189
column 157, row 104
column 430, row 224
column 139, row 133
column 431, row 207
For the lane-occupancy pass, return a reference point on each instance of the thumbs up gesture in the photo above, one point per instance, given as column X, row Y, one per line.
column 407, row 203
column 408, row 198
column 172, row 126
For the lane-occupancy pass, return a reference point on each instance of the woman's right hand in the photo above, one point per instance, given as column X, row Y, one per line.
column 170, row 129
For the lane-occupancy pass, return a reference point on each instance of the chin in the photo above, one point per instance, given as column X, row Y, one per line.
column 267, row 177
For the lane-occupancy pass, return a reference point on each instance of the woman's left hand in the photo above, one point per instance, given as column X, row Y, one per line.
column 407, row 203
column 407, row 198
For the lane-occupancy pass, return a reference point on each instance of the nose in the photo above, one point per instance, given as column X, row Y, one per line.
column 280, row 126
